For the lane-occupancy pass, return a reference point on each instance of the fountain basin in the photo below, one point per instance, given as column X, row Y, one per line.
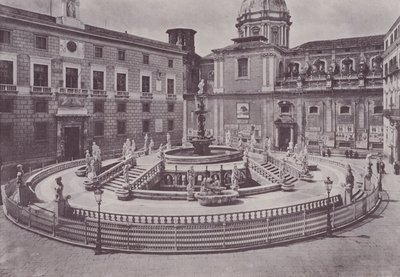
column 218, row 154
column 226, row 197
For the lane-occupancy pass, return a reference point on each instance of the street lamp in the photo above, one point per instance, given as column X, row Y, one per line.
column 328, row 185
column 97, row 195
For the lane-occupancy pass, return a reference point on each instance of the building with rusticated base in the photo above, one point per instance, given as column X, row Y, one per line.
column 64, row 84
column 326, row 93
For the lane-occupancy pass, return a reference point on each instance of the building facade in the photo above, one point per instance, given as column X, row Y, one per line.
column 64, row 84
column 391, row 95
column 325, row 93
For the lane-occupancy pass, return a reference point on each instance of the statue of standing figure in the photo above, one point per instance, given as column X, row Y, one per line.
column 235, row 178
column 269, row 145
column 253, row 142
column 190, row 186
column 88, row 159
column 59, row 187
column 71, row 8
column 349, row 185
column 168, row 141
column 133, row 146
column 240, row 143
column 127, row 166
column 291, row 147
column 151, row 146
column 228, row 138
column 125, row 148
column 146, row 142
column 201, row 87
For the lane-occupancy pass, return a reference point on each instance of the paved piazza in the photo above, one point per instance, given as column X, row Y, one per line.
column 368, row 248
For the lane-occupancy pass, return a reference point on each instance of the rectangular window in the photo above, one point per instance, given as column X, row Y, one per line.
column 171, row 107
column 6, row 105
column 40, row 75
column 170, row 63
column 170, row 86
column 98, row 80
column 6, row 134
column 5, row 36
column 121, row 82
column 98, row 52
column 145, row 83
column 40, row 131
column 146, row 107
column 121, row 55
column 41, row 42
column 170, row 125
column 6, row 72
column 243, row 67
column 121, row 107
column 121, row 127
column 71, row 77
column 99, row 129
column 285, row 109
column 41, row 106
column 146, row 126
column 98, row 107
column 146, row 59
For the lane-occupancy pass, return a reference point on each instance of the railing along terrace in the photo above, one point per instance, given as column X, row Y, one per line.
column 148, row 176
column 40, row 90
column 73, row 91
column 113, row 172
column 290, row 169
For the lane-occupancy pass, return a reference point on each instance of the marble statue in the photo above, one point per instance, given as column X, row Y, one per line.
column 71, row 8
column 146, row 142
column 133, row 146
column 269, row 145
column 235, row 178
column 201, row 87
column 126, row 173
column 349, row 177
column 88, row 159
column 59, row 189
column 151, row 146
column 245, row 154
column 253, row 142
column 190, row 176
column 282, row 170
column 125, row 147
column 168, row 141
column 291, row 147
column 240, row 143
column 228, row 138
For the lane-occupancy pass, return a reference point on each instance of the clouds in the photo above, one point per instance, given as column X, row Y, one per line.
column 214, row 20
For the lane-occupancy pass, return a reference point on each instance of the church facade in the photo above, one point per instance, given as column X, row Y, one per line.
column 325, row 93
column 64, row 84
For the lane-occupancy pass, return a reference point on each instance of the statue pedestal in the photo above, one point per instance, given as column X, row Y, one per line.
column 61, row 208
column 23, row 192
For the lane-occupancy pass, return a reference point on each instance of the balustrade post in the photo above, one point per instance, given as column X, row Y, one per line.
column 355, row 210
column 176, row 237
column 333, row 216
column 267, row 229
column 129, row 237
column 54, row 224
column 86, row 231
column 304, row 222
column 29, row 216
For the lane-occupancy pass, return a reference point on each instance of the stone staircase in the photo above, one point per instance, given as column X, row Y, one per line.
column 289, row 179
column 119, row 182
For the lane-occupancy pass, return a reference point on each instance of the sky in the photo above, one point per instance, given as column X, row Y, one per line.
column 214, row 20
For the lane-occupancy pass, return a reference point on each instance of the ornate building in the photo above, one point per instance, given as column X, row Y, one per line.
column 391, row 95
column 64, row 84
column 328, row 93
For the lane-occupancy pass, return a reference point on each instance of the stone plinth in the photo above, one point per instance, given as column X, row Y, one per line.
column 226, row 197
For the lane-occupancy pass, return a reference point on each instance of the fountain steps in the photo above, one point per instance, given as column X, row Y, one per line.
column 118, row 182
column 289, row 179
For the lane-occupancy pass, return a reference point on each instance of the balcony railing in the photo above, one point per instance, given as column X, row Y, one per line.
column 122, row 94
column 171, row 97
column 99, row 93
column 73, row 91
column 8, row 88
column 146, row 95
column 41, row 90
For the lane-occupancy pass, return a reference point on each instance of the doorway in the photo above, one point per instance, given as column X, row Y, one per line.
column 71, row 139
column 284, row 138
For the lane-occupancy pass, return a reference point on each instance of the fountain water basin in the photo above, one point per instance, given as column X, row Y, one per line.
column 217, row 154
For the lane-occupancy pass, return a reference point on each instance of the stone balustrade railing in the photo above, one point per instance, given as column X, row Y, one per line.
column 290, row 169
column 262, row 171
column 113, row 172
column 148, row 176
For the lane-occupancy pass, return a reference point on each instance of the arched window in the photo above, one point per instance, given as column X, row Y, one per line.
column 344, row 110
column 313, row 110
column 275, row 35
column 280, row 73
column 319, row 66
column 255, row 30
column 378, row 109
column 347, row 65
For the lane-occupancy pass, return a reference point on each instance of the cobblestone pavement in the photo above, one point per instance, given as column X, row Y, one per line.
column 369, row 248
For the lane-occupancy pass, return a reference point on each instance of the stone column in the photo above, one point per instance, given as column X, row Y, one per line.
column 265, row 82
column 277, row 137
column 292, row 134
column 221, row 74
column 215, row 74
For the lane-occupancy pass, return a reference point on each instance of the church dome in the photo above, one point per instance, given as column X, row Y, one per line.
column 251, row 6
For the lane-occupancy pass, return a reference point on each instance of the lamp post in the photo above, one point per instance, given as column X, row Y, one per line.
column 97, row 195
column 328, row 185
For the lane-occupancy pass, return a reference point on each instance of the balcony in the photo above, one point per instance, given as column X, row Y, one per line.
column 171, row 97
column 146, row 96
column 73, row 91
column 8, row 89
column 99, row 93
column 122, row 94
column 41, row 90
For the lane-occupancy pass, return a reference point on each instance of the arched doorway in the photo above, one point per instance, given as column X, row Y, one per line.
column 285, row 132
